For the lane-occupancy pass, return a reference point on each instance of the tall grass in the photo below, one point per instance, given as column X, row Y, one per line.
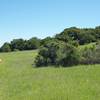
column 19, row 80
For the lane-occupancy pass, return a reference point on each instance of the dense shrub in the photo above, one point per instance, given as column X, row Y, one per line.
column 86, row 36
column 57, row 53
column 91, row 55
column 69, row 56
column 47, row 54
column 6, row 47
column 60, row 53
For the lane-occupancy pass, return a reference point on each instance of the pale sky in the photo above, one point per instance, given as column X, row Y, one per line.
column 42, row 18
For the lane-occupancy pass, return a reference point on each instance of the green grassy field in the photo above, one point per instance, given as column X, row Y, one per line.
column 19, row 80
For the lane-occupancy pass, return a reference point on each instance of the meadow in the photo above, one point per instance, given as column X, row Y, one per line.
column 20, row 80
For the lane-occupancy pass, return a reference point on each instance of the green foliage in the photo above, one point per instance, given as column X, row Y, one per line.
column 17, row 44
column 6, row 47
column 86, row 36
column 63, row 37
column 74, row 36
column 47, row 54
column 46, row 40
column 57, row 53
column 60, row 53
column 97, row 32
column 91, row 55
column 21, row 44
column 69, row 56
column 82, row 36
column 72, row 32
column 33, row 43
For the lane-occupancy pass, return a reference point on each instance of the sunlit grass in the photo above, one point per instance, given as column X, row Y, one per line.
column 19, row 80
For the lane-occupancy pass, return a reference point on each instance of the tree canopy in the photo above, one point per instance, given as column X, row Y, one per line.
column 73, row 35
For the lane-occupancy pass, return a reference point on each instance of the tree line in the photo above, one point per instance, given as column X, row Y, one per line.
column 21, row 44
column 73, row 34
column 63, row 48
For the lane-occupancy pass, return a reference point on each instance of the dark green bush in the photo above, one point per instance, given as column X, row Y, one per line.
column 6, row 47
column 47, row 55
column 57, row 53
column 69, row 56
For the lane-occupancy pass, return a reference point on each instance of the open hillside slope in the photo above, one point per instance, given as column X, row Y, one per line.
column 19, row 80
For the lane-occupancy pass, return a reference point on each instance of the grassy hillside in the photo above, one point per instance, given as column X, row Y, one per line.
column 19, row 80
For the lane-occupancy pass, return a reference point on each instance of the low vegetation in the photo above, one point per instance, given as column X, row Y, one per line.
column 20, row 80
column 91, row 55
column 57, row 53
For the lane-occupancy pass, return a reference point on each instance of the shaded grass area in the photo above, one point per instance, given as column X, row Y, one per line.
column 19, row 80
